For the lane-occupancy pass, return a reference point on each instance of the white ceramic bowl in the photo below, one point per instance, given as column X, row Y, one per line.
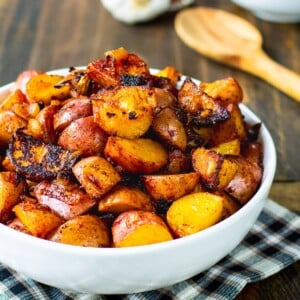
column 287, row 11
column 135, row 269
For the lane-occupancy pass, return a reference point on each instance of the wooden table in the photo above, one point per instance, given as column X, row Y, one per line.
column 49, row 34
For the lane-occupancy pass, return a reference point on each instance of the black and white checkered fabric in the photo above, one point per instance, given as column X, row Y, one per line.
column 272, row 244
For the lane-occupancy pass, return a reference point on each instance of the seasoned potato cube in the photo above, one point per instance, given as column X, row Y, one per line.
column 42, row 87
column 227, row 90
column 169, row 129
column 125, row 198
column 170, row 187
column 253, row 152
column 137, row 227
column 38, row 219
column 229, row 148
column 16, row 97
column 178, row 163
column 142, row 156
column 216, row 171
column 11, row 188
column 85, row 230
column 125, row 111
column 83, row 135
column 96, row 175
column 194, row 212
column 171, row 73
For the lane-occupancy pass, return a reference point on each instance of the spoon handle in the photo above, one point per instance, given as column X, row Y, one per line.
column 277, row 75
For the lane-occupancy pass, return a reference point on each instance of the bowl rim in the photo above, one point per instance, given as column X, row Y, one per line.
column 269, row 164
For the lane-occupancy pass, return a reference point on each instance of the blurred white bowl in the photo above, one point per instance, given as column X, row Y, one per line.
column 135, row 269
column 287, row 11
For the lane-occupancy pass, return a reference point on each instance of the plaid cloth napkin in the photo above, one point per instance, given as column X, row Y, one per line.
column 271, row 245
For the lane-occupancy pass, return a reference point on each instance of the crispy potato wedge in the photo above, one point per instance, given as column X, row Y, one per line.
column 84, row 230
column 85, row 136
column 169, row 129
column 194, row 212
column 137, row 227
column 227, row 90
column 229, row 148
column 125, row 198
column 39, row 220
column 74, row 109
column 141, row 156
column 63, row 197
column 216, row 171
column 245, row 181
column 96, row 175
column 170, row 187
column 42, row 87
column 12, row 186
column 125, row 111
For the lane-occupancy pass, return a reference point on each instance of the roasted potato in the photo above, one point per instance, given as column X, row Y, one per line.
column 84, row 230
column 229, row 148
column 137, row 227
column 96, row 175
column 12, row 186
column 16, row 97
column 84, row 136
column 178, row 163
column 22, row 79
column 125, row 198
column 194, row 212
column 171, row 73
column 142, row 156
column 170, row 187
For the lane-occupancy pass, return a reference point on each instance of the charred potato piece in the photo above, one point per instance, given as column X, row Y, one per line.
column 39, row 220
column 124, row 111
column 178, row 163
column 169, row 129
column 204, row 109
column 245, row 181
column 12, row 186
column 84, row 230
column 137, row 227
column 85, row 136
column 141, row 156
column 170, row 187
column 39, row 161
column 216, row 171
column 194, row 212
column 96, row 175
column 171, row 73
column 125, row 198
column 74, row 109
column 9, row 123
column 227, row 90
column 253, row 152
column 42, row 87
column 63, row 197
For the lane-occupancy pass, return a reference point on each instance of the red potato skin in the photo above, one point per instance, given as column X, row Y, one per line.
column 83, row 135
column 71, row 111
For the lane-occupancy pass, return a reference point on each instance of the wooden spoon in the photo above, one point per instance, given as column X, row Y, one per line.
column 231, row 40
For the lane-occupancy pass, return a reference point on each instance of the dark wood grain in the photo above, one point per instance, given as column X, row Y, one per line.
column 50, row 34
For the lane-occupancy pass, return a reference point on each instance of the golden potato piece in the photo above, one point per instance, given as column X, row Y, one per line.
column 141, row 156
column 227, row 90
column 16, row 97
column 137, row 228
column 84, row 230
column 229, row 148
column 39, row 220
column 171, row 73
column 125, row 111
column 169, row 129
column 216, row 171
column 194, row 212
column 42, row 87
column 96, row 175
column 125, row 198
column 170, row 187
column 12, row 187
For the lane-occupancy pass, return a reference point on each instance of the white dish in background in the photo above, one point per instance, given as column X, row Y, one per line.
column 135, row 269
column 279, row 11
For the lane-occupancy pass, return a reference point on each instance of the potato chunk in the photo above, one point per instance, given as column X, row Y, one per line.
column 96, row 175
column 137, row 227
column 125, row 198
column 142, row 156
column 170, row 187
column 194, row 212
column 84, row 230
column 125, row 111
